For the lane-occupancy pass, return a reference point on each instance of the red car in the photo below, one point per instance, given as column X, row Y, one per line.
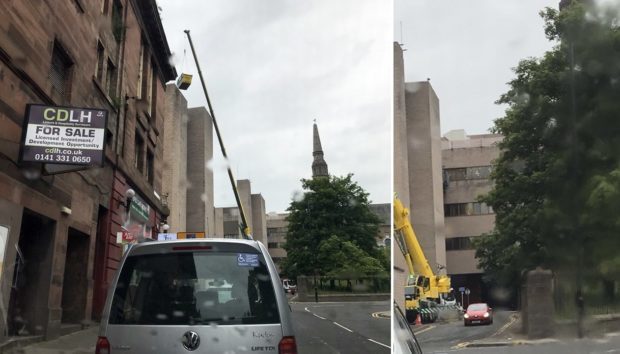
column 478, row 314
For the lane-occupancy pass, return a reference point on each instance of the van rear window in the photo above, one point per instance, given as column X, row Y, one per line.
column 191, row 288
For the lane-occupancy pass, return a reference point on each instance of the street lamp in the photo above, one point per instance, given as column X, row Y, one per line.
column 165, row 227
column 129, row 195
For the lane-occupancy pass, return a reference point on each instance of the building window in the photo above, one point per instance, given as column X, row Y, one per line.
column 104, row 7
column 153, row 98
column 139, row 152
column 467, row 209
column 456, row 174
column 272, row 245
column 60, row 73
column 99, row 67
column 144, row 76
column 468, row 173
column 480, row 172
column 111, row 80
column 459, row 244
column 117, row 20
column 150, row 160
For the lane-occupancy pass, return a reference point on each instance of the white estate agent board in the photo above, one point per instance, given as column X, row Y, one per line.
column 63, row 135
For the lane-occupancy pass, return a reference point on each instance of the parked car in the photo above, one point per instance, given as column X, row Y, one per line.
column 479, row 313
column 404, row 341
column 208, row 295
column 289, row 287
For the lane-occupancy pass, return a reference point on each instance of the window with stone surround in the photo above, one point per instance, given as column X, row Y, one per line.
column 139, row 152
column 60, row 74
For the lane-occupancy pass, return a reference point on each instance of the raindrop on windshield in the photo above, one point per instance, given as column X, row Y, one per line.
column 297, row 196
column 218, row 164
column 31, row 173
column 174, row 60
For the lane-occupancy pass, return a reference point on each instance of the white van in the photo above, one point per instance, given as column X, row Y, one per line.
column 208, row 296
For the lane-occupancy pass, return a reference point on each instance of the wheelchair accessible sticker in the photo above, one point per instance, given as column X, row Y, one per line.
column 247, row 260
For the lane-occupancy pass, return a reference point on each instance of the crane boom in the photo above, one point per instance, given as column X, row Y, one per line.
column 245, row 229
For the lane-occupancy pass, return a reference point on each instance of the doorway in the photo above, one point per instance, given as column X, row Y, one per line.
column 75, row 283
column 28, row 308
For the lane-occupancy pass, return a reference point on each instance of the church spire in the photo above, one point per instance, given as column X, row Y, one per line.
column 319, row 166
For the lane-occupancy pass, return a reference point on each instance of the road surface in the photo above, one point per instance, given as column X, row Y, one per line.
column 342, row 327
column 439, row 337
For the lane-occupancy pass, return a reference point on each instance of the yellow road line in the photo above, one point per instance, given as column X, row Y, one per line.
column 378, row 315
column 513, row 318
column 460, row 345
column 424, row 330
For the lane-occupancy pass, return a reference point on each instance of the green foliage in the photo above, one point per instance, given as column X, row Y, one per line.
column 346, row 259
column 333, row 215
column 557, row 180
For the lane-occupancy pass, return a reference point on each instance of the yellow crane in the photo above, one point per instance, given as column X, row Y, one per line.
column 423, row 289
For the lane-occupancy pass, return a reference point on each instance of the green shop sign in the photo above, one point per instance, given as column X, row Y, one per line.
column 140, row 209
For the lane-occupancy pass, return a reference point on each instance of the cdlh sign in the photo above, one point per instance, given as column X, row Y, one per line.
column 63, row 135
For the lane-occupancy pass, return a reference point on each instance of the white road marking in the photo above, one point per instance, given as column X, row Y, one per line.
column 305, row 308
column 374, row 341
column 341, row 326
column 315, row 315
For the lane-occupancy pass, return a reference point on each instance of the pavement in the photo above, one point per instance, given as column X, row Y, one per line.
column 81, row 342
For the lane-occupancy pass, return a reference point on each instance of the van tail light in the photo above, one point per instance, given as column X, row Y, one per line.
column 103, row 346
column 287, row 346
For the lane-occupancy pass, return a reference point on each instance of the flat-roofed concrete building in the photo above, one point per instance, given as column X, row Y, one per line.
column 417, row 169
column 200, row 209
column 277, row 227
column 228, row 219
column 384, row 212
column 467, row 161
column 187, row 180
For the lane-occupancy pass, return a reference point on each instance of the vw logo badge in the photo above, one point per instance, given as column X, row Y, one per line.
column 191, row 340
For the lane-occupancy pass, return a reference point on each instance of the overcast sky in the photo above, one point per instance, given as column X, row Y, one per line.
column 467, row 49
column 272, row 67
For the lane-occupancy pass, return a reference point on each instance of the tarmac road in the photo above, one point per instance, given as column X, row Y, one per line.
column 439, row 337
column 341, row 327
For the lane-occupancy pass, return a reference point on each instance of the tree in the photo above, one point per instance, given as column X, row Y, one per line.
column 557, row 180
column 330, row 206
column 346, row 259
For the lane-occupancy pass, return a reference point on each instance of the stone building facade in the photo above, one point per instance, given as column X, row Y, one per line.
column 58, row 225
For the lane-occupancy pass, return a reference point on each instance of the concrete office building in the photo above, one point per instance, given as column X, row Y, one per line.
column 200, row 205
column 175, row 159
column 277, row 227
column 384, row 212
column 187, row 180
column 227, row 219
column 401, row 170
column 467, row 163
column 417, row 169
column 425, row 173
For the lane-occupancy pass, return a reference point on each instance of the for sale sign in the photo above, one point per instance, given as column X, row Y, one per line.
column 63, row 135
